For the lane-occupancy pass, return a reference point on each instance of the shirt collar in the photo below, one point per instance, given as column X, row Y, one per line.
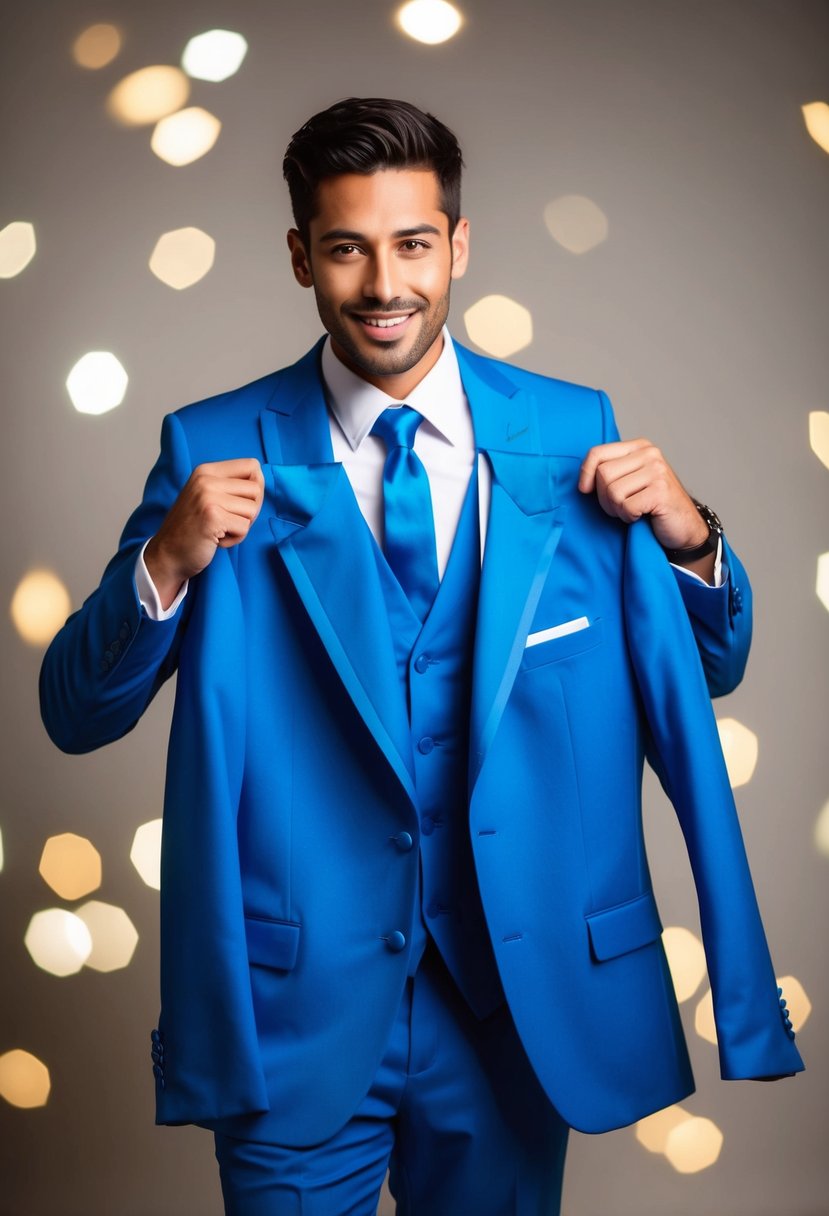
column 357, row 405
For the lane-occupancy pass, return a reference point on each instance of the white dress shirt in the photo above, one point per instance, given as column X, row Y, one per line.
column 445, row 444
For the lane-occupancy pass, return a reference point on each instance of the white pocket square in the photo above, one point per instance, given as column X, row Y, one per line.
column 558, row 631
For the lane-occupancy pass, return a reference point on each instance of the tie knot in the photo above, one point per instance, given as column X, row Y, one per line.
column 397, row 426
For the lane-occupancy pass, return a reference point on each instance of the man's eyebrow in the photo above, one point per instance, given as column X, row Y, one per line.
column 345, row 234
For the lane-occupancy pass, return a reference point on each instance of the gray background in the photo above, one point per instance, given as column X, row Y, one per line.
column 703, row 315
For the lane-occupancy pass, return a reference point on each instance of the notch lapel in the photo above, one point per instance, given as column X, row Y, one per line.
column 328, row 551
column 523, row 529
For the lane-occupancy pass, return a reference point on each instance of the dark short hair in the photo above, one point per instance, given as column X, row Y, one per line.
column 363, row 135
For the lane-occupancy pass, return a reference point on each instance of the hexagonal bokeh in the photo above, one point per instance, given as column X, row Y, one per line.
column 429, row 21
column 148, row 94
column 819, row 435
column 145, row 853
column 576, row 223
column 822, row 581
column 97, row 46
column 686, row 959
column 39, row 607
column 71, row 865
column 185, row 136
column 499, row 325
column 24, row 1079
column 17, row 248
column 97, row 383
column 798, row 1002
column 58, row 941
column 182, row 257
column 822, row 831
column 704, row 1023
column 214, row 55
column 114, row 936
column 652, row 1132
column 816, row 117
column 740, row 747
column 693, row 1145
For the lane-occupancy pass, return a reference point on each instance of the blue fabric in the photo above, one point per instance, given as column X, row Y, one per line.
column 454, row 1110
column 409, row 537
column 291, row 780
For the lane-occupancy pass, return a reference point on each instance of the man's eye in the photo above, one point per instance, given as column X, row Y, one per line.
column 414, row 246
column 345, row 249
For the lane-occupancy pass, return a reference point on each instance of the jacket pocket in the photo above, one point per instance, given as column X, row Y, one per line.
column 564, row 646
column 272, row 943
column 624, row 927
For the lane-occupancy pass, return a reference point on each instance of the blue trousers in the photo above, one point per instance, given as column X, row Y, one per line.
column 454, row 1111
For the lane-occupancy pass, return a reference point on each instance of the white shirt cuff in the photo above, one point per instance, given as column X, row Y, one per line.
column 148, row 595
column 717, row 569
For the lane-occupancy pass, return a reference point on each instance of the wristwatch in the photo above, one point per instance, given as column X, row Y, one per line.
column 709, row 545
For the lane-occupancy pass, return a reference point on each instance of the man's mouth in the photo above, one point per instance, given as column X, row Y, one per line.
column 384, row 322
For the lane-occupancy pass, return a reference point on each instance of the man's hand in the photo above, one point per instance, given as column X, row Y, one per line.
column 214, row 510
column 632, row 478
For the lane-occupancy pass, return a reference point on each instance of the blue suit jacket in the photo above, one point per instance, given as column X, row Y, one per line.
column 290, row 771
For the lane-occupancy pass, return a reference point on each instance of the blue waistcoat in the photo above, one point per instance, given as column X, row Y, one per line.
column 434, row 666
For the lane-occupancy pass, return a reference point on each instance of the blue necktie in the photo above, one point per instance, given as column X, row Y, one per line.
column 410, row 528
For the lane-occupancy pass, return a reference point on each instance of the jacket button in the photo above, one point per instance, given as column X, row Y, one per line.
column 421, row 664
column 426, row 745
column 404, row 841
column 396, row 941
column 155, row 1035
column 158, row 1071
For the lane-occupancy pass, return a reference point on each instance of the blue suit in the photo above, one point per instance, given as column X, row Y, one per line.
column 290, row 770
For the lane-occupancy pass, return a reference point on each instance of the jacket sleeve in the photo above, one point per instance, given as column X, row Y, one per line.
column 106, row 664
column 753, row 1038
column 721, row 617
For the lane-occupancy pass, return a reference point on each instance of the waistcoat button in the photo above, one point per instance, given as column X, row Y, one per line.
column 404, row 841
column 426, row 745
column 421, row 664
column 396, row 941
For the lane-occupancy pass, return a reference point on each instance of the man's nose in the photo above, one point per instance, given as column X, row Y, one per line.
column 380, row 282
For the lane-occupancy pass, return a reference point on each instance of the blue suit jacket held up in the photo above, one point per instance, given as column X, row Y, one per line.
column 289, row 771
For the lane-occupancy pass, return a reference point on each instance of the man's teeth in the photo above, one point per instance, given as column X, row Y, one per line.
column 383, row 322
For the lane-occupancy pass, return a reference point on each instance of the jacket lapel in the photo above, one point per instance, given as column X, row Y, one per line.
column 328, row 552
column 523, row 529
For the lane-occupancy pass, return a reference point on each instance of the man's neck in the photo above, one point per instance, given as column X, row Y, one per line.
column 400, row 386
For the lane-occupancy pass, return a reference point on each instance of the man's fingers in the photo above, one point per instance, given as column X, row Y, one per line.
column 618, row 497
column 602, row 453
column 245, row 467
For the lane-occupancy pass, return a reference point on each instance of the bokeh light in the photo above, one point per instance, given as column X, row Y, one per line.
column 819, row 435
column 822, row 831
column 145, row 853
column 429, row 21
column 58, row 941
column 740, row 748
column 652, row 1132
column 816, row 117
column 184, row 137
column 704, row 1023
column 693, row 1145
column 822, row 581
column 71, row 865
column 214, row 55
column 17, row 248
column 114, row 936
column 182, row 257
column 148, row 94
column 24, row 1079
column 96, row 46
column 686, row 959
column 97, row 383
column 796, row 999
column 39, row 607
column 499, row 325
column 576, row 222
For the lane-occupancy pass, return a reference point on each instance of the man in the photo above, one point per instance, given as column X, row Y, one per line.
column 422, row 647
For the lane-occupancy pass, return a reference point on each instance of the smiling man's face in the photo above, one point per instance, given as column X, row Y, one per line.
column 380, row 260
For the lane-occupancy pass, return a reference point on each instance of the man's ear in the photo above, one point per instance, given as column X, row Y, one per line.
column 460, row 248
column 300, row 262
